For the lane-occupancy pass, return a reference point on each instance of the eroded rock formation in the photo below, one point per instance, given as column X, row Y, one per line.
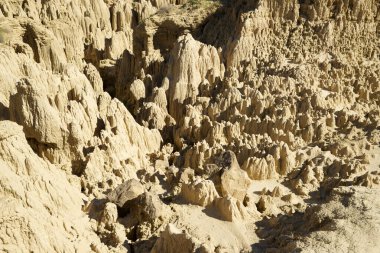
column 189, row 126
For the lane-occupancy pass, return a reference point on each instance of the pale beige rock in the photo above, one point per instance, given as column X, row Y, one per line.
column 94, row 77
column 260, row 168
column 172, row 239
column 368, row 179
column 42, row 210
column 318, row 218
column 125, row 192
column 31, row 107
column 190, row 62
column 200, row 192
column 233, row 180
column 267, row 205
column 109, row 215
column 290, row 87
column 137, row 90
column 150, row 214
column 231, row 209
column 154, row 116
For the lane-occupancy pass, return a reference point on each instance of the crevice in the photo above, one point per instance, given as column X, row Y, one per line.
column 30, row 39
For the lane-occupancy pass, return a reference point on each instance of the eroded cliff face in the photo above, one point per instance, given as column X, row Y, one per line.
column 189, row 126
